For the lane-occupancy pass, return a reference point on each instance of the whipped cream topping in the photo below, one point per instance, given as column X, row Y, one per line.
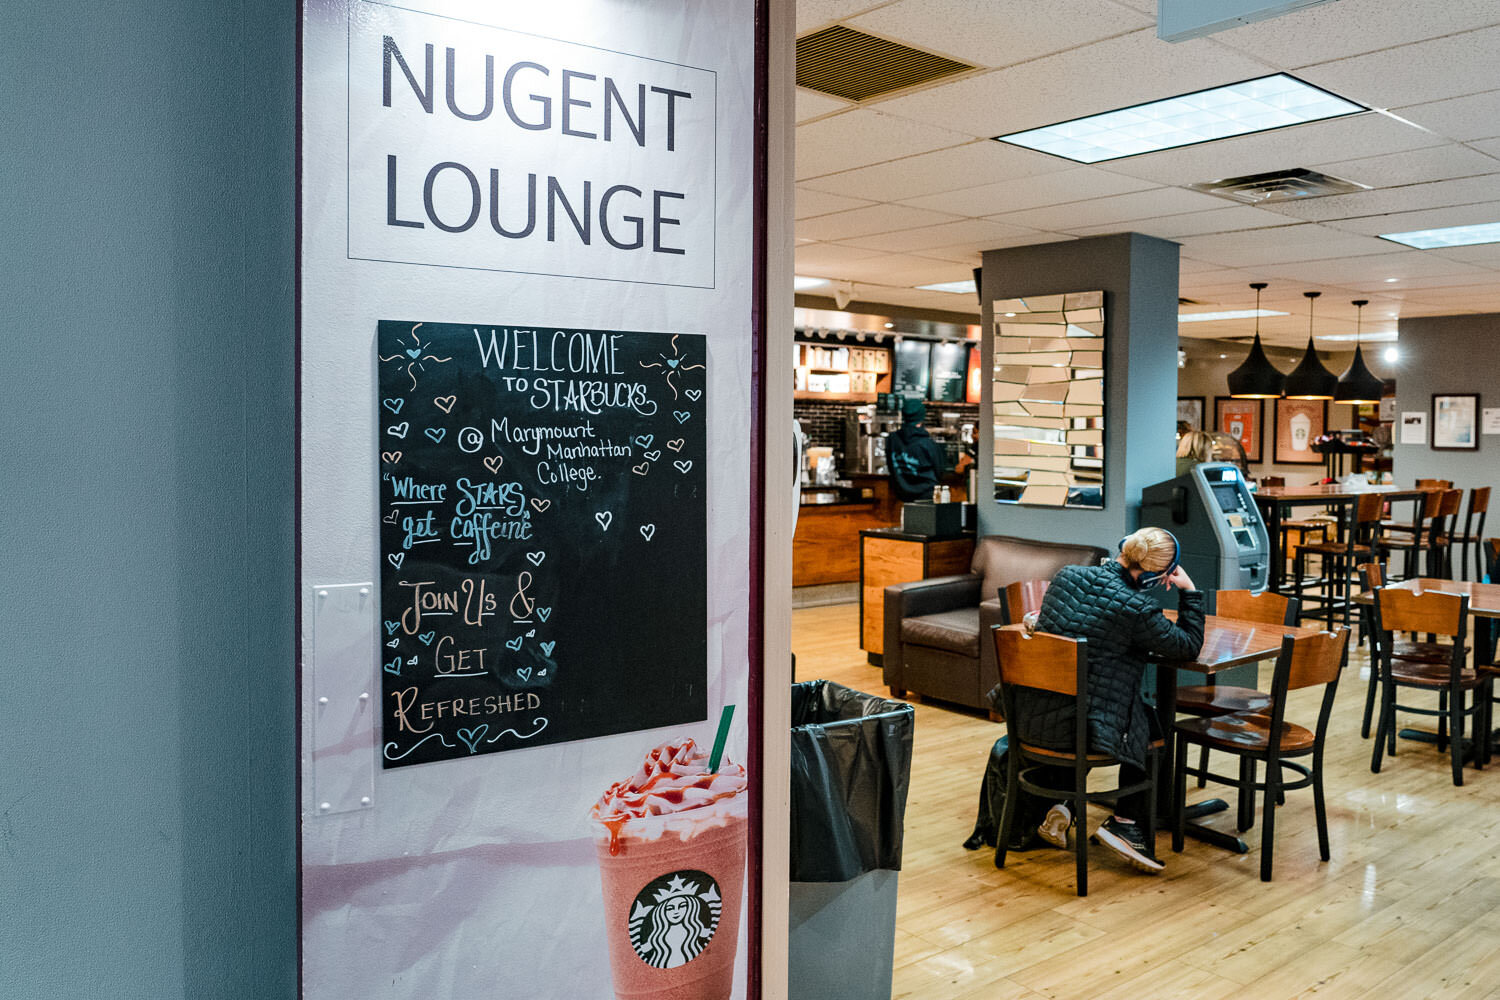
column 673, row 783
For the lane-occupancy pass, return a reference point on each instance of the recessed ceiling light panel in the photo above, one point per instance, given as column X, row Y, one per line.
column 1453, row 236
column 1258, row 105
column 801, row 283
column 965, row 287
column 1230, row 314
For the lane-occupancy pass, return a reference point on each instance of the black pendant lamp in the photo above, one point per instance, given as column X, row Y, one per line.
column 1257, row 378
column 1358, row 384
column 1310, row 380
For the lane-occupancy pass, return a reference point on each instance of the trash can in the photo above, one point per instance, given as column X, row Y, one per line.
column 851, row 767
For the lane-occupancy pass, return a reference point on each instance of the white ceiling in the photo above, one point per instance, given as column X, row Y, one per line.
column 910, row 189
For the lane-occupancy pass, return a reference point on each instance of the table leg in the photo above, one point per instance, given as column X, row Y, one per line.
column 1271, row 513
column 1166, row 710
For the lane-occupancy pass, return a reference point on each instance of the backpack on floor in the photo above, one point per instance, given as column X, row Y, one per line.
column 1031, row 810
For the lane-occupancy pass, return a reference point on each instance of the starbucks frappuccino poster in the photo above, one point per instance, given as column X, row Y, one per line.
column 526, row 407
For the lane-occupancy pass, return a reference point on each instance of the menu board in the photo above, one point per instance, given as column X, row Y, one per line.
column 912, row 368
column 950, row 372
column 542, row 536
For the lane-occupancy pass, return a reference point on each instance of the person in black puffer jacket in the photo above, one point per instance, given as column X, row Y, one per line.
column 1112, row 608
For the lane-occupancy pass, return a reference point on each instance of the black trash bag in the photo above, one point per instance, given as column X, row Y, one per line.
column 851, row 768
column 1030, row 809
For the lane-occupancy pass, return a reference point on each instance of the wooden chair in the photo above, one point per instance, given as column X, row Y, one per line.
column 1440, row 535
column 1221, row 699
column 1473, row 533
column 1052, row 663
column 1341, row 556
column 1269, row 738
column 1436, row 613
column 1373, row 575
column 1304, row 527
column 1020, row 599
column 1434, row 484
column 1407, row 537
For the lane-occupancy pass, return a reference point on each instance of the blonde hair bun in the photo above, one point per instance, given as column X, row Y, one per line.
column 1149, row 549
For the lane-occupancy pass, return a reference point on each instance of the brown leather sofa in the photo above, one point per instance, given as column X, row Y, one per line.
column 934, row 628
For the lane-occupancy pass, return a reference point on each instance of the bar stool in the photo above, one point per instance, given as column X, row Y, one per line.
column 1340, row 556
column 1473, row 533
column 1304, row 527
column 1408, row 650
column 1406, row 537
column 1440, row 534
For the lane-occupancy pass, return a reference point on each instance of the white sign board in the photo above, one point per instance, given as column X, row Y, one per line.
column 1414, row 427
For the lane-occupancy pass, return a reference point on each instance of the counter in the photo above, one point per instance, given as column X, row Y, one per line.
column 889, row 556
column 826, row 547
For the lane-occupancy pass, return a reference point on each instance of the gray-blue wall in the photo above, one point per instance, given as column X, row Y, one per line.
column 147, row 808
column 1448, row 354
column 1138, row 275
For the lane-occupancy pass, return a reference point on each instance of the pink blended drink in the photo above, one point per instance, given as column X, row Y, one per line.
column 671, row 849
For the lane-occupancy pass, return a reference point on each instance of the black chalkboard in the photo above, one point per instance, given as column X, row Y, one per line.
column 911, row 368
column 542, row 536
column 950, row 372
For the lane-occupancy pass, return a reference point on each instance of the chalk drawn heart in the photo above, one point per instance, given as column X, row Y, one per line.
column 644, row 440
column 391, row 627
column 647, row 530
column 547, row 648
column 535, row 558
column 390, row 456
column 394, row 405
column 642, row 469
column 396, row 559
column 682, row 415
column 652, row 455
column 391, row 517
column 677, row 445
column 694, row 394
column 445, row 403
column 673, row 362
column 542, row 672
column 412, row 352
column 436, row 433
column 683, row 464
column 394, row 643
column 427, row 638
column 515, row 644
column 471, row 737
column 540, row 505
column 524, row 673
column 543, row 614
column 531, row 633
column 493, row 463
column 394, row 667
column 411, row 662
column 604, row 517
column 398, row 430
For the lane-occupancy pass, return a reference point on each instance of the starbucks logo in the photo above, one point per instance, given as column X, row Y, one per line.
column 674, row 918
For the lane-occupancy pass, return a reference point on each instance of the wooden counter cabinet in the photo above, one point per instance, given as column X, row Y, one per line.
column 889, row 556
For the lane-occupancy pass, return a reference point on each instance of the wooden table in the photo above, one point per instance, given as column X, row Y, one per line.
column 1227, row 643
column 1272, row 500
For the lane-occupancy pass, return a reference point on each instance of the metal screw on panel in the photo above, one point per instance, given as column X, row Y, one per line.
column 365, row 801
column 322, row 701
column 364, row 696
column 326, row 806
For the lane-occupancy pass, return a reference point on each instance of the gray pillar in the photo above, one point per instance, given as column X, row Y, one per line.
column 1138, row 275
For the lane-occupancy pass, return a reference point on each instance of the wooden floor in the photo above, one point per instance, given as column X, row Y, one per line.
column 1409, row 907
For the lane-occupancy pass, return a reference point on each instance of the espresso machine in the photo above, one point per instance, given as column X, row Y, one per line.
column 865, row 428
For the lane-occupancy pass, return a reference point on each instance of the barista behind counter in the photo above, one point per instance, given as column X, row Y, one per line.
column 915, row 461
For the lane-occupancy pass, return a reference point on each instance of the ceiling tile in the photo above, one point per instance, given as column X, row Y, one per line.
column 813, row 14
column 1119, row 208
column 1000, row 34
column 1315, row 142
column 814, row 203
column 1013, row 195
column 1489, row 147
column 1423, row 71
column 811, row 104
column 1484, row 254
column 864, row 221
column 861, row 137
column 979, row 234
column 1088, row 80
column 1217, row 220
column 1261, row 247
column 906, row 271
column 824, row 260
column 965, row 251
column 944, row 170
column 1486, row 275
column 1413, row 166
column 1386, row 201
column 1352, row 27
column 1368, row 271
column 1476, row 116
column 1432, row 218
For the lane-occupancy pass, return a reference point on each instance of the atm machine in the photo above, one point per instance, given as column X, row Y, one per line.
column 1213, row 514
column 1223, row 540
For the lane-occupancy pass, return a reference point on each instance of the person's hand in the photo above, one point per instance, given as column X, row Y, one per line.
column 1180, row 580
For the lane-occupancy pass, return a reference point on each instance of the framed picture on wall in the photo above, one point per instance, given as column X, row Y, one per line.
column 1243, row 420
column 1190, row 412
column 1299, row 422
column 1455, row 422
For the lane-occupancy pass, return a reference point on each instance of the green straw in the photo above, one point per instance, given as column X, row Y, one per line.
column 722, row 738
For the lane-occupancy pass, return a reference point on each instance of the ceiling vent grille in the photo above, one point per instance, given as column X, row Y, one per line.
column 856, row 66
column 1279, row 185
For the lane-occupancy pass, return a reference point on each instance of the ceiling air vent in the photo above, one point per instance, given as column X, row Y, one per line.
column 856, row 66
column 1279, row 185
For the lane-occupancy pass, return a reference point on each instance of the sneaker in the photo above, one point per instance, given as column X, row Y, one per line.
column 1127, row 840
column 1054, row 828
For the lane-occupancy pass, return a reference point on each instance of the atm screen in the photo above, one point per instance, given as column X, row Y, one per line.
column 1228, row 496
